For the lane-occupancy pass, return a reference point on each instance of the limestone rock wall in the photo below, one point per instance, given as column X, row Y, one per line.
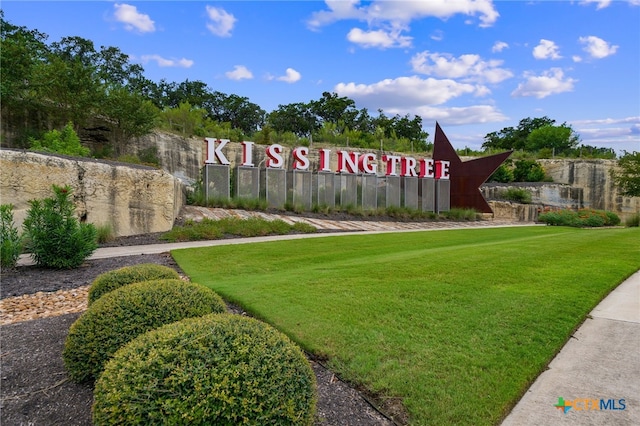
column 132, row 199
column 507, row 210
column 594, row 178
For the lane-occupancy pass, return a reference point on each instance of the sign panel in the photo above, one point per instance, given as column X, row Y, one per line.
column 216, row 181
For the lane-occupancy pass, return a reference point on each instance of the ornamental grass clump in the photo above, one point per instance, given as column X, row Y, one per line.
column 109, row 281
column 217, row 369
column 123, row 314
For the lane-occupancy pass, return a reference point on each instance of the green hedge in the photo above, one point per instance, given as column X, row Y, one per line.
column 583, row 218
column 125, row 313
column 217, row 369
column 109, row 281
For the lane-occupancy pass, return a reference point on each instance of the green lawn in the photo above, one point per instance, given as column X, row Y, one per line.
column 457, row 324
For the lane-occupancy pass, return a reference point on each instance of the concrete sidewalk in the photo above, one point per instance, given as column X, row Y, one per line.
column 600, row 362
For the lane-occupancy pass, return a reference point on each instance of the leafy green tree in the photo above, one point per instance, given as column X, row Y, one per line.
column 627, row 176
column 64, row 142
column 559, row 139
column 515, row 138
column 241, row 113
column 132, row 114
column 297, row 118
column 331, row 108
column 185, row 118
column 21, row 54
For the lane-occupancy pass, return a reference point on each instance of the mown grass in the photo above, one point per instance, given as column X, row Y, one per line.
column 457, row 324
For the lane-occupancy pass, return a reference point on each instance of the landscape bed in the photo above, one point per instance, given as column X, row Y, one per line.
column 455, row 325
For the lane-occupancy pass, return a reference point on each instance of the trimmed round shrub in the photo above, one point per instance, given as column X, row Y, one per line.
column 123, row 314
column 217, row 369
column 104, row 283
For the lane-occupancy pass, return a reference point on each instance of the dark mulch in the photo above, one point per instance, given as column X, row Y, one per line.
column 35, row 388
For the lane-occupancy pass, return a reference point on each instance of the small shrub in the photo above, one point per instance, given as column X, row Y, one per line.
column 65, row 142
column 633, row 221
column 217, row 369
column 502, row 174
column 518, row 195
column 10, row 239
column 109, row 281
column 56, row 239
column 125, row 313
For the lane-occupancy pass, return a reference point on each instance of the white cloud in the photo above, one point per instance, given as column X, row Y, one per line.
column 499, row 46
column 164, row 63
column 551, row 82
column 387, row 19
column 456, row 116
column 467, row 67
column 547, row 49
column 608, row 121
column 404, row 92
column 132, row 19
column 240, row 72
column 621, row 134
column 378, row 38
column 291, row 76
column 596, row 47
column 576, row 58
column 601, row 4
column 437, row 35
column 221, row 22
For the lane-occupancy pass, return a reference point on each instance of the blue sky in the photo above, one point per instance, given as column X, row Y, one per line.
column 474, row 66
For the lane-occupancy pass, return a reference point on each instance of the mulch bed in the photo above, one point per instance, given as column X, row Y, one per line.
column 36, row 390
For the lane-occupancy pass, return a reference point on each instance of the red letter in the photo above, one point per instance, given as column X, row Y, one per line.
column 324, row 160
column 275, row 160
column 366, row 165
column 426, row 168
column 408, row 167
column 347, row 162
column 300, row 160
column 247, row 154
column 392, row 161
column 442, row 170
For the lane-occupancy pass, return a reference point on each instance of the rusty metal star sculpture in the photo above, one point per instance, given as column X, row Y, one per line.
column 466, row 177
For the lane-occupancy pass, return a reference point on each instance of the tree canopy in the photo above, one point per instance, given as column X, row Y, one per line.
column 627, row 177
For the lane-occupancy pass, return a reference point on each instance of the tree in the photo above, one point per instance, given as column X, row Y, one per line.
column 515, row 138
column 340, row 111
column 627, row 176
column 133, row 114
column 296, row 118
column 22, row 53
column 559, row 139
